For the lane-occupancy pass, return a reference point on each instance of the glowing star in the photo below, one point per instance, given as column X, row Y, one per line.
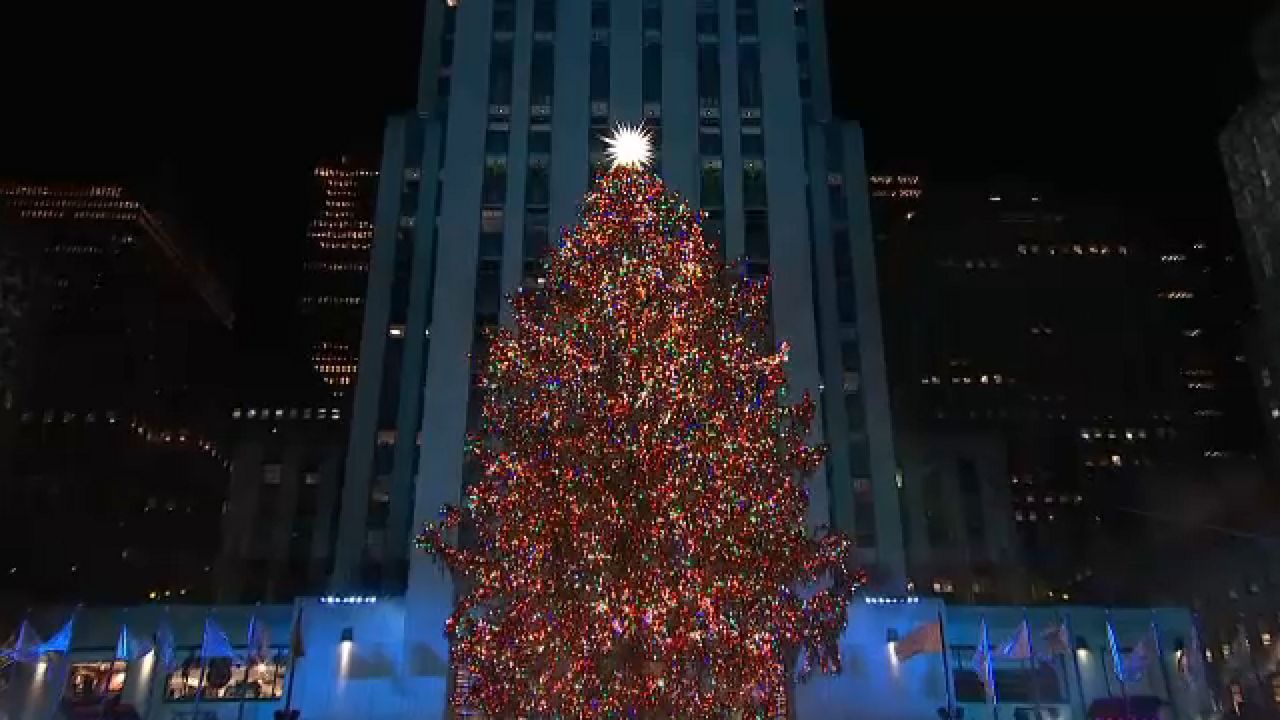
column 630, row 146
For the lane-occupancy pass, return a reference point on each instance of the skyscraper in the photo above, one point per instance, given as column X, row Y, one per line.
column 514, row 100
column 336, row 270
column 1250, row 146
column 111, row 416
column 1099, row 348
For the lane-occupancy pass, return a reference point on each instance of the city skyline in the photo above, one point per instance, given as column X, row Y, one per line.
column 576, row 355
column 983, row 92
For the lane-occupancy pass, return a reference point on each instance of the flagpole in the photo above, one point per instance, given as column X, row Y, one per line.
column 111, row 670
column 946, row 666
column 151, row 690
column 1031, row 660
column 164, row 666
column 62, row 688
column 1164, row 672
column 1118, row 661
column 66, row 666
column 106, row 689
column 1214, row 694
column 244, row 683
column 204, row 668
column 1253, row 663
column 989, row 672
column 295, row 645
column 1075, row 663
column 1106, row 674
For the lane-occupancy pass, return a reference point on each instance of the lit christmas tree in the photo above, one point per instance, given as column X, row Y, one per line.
column 638, row 544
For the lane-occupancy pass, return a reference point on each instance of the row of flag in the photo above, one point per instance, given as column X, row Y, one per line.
column 1053, row 640
column 25, row 645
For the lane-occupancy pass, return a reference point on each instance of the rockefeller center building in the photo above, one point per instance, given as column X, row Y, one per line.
column 514, row 102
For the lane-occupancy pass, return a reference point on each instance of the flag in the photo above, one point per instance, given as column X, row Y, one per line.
column 1136, row 662
column 1018, row 646
column 924, row 639
column 259, row 642
column 1191, row 661
column 215, row 643
column 23, row 646
column 296, row 648
column 1241, row 654
column 128, row 647
column 166, row 652
column 61, row 640
column 1116, row 661
column 982, row 663
column 1055, row 640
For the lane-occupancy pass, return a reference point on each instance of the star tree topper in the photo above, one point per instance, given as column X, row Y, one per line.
column 629, row 146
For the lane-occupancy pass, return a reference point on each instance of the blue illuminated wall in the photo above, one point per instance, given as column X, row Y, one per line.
column 368, row 678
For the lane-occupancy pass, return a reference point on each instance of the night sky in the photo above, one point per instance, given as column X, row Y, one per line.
column 226, row 108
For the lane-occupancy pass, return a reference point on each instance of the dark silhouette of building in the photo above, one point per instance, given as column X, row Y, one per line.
column 1250, row 146
column 114, row 468
column 1236, row 547
column 279, row 525
column 1100, row 349
column 289, row 421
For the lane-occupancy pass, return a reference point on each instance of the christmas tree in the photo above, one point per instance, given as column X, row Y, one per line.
column 637, row 543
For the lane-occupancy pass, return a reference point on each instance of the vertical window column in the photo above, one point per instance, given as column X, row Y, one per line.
column 710, row 131
column 599, row 87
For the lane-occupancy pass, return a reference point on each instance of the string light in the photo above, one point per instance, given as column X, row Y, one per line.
column 638, row 542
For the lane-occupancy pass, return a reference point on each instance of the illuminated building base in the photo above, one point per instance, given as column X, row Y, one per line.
column 354, row 665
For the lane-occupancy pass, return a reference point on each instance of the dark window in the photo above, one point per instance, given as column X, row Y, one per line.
column 708, row 17
column 652, row 91
column 713, row 228
column 495, row 143
column 494, row 190
column 599, row 72
column 490, row 245
column 652, row 17
column 536, row 238
column 709, row 144
column 544, row 16
column 540, row 139
column 753, row 188
column 500, row 74
column 538, row 188
column 864, row 522
column 599, row 14
column 846, row 301
column 504, row 16
column 749, row 95
column 755, row 234
column 840, row 252
column 712, row 188
column 709, row 75
column 836, row 203
column 747, row 19
column 542, row 79
column 488, row 287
